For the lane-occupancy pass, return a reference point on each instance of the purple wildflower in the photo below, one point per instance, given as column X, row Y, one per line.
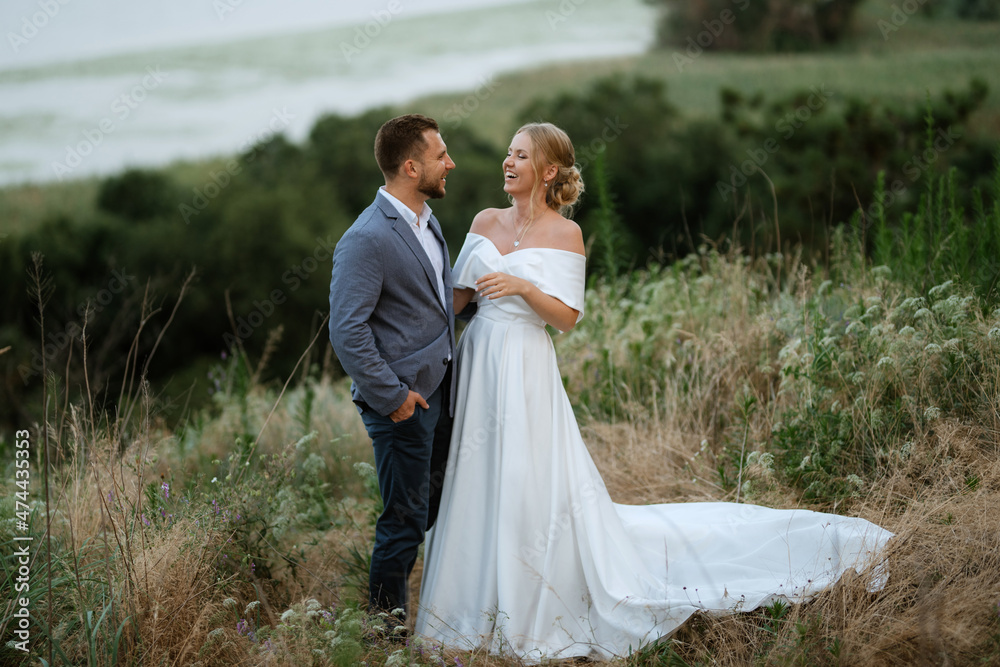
column 166, row 490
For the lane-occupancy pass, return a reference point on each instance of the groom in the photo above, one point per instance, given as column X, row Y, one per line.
column 392, row 327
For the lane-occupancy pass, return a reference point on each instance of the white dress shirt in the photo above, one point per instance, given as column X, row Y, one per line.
column 420, row 224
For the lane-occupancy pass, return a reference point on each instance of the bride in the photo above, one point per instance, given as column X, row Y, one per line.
column 530, row 557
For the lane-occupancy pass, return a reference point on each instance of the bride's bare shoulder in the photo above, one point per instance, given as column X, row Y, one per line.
column 565, row 234
column 485, row 221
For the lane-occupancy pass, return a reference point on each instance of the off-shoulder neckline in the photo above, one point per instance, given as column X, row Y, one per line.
column 502, row 254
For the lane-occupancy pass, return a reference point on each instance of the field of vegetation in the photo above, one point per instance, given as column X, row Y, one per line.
column 822, row 333
column 241, row 537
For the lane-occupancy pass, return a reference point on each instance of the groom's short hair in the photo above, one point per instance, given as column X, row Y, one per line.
column 401, row 139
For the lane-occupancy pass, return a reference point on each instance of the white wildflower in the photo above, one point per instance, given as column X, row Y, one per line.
column 230, row 603
column 251, row 608
column 877, row 417
column 886, row 362
column 906, row 450
column 828, row 341
column 883, row 272
column 994, row 334
column 217, row 634
column 398, row 659
column 314, row 464
column 312, row 604
column 953, row 343
column 922, row 313
column 932, row 348
column 855, row 481
column 938, row 291
column 873, row 311
column 364, row 470
column 305, row 440
column 932, row 413
column 789, row 349
column 767, row 461
column 804, row 463
column 288, row 615
column 856, row 327
column 907, row 331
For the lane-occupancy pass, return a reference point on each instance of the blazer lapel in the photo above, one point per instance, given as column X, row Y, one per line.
column 435, row 226
column 402, row 228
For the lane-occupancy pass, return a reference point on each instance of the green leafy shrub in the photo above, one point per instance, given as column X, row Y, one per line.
column 743, row 25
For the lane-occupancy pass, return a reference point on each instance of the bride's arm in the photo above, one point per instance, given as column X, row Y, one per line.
column 549, row 308
column 461, row 296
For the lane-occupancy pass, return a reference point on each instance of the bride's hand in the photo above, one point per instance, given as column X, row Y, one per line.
column 496, row 285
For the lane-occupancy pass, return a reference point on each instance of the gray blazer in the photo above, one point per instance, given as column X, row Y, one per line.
column 387, row 324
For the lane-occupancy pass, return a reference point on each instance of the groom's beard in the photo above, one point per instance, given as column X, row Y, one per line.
column 431, row 187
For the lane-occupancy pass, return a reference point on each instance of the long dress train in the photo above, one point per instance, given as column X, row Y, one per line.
column 529, row 555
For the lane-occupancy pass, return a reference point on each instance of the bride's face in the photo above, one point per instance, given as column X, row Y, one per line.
column 518, row 172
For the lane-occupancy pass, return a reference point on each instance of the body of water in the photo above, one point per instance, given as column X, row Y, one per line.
column 90, row 87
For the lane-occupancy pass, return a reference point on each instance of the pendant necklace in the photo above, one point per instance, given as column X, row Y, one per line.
column 524, row 230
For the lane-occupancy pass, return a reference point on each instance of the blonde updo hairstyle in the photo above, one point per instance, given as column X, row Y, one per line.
column 551, row 146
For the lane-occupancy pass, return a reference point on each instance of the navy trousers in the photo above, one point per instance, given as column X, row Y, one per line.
column 410, row 458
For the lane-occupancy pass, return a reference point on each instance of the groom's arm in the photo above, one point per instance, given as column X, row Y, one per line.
column 355, row 287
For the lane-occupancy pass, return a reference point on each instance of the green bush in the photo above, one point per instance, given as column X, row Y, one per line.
column 745, row 25
column 138, row 194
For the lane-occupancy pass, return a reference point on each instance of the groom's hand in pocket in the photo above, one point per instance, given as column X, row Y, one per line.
column 406, row 410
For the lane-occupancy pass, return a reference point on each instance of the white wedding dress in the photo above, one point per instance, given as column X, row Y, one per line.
column 529, row 555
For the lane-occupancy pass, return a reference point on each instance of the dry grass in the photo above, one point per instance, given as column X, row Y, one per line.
column 279, row 532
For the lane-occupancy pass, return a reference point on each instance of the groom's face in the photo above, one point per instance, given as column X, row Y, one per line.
column 434, row 165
